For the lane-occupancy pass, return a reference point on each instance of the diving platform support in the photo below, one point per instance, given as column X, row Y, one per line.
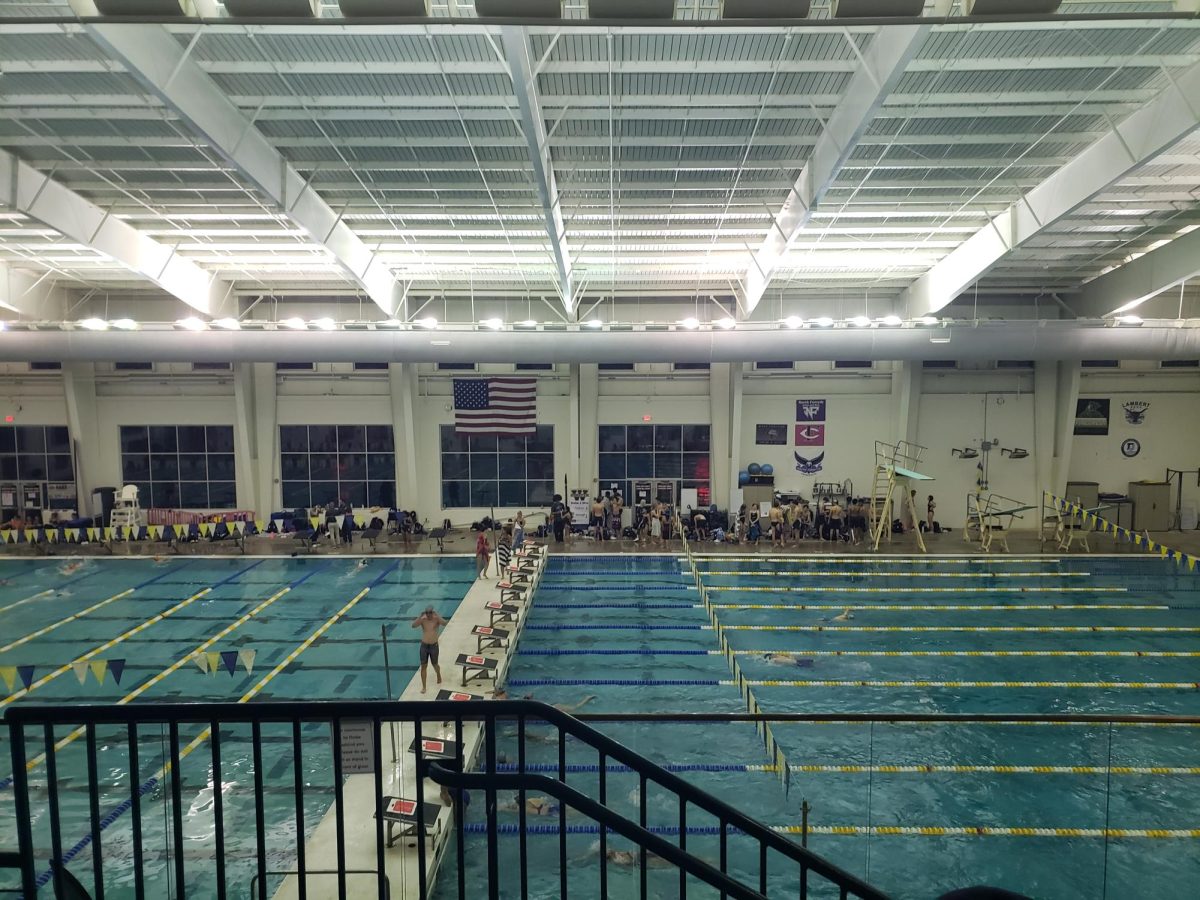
column 896, row 466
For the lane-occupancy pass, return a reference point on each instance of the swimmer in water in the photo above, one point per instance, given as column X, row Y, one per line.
column 569, row 709
column 534, row 806
column 362, row 564
column 629, row 859
column 70, row 568
column 846, row 616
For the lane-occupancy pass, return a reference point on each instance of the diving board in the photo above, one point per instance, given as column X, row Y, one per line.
column 895, row 466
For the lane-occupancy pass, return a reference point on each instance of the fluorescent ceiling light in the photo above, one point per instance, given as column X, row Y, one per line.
column 427, row 322
column 891, row 321
column 125, row 324
column 94, row 324
column 860, row 321
column 295, row 323
column 940, row 337
column 229, row 324
column 592, row 323
column 726, row 323
column 1129, row 320
column 793, row 321
column 690, row 322
column 191, row 323
column 493, row 323
column 440, row 343
column 389, row 323
column 823, row 322
column 325, row 323
column 927, row 320
column 526, row 323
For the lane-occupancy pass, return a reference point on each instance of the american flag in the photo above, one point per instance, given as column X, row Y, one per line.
column 505, row 406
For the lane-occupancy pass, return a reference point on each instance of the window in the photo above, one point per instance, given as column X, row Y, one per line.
column 1179, row 364
column 630, row 453
column 212, row 367
column 616, row 367
column 370, row 367
column 1101, row 364
column 772, row 364
column 456, row 367
column 133, row 367
column 319, row 464
column 938, row 364
column 852, row 364
column 180, row 466
column 495, row 470
column 691, row 366
column 1014, row 364
column 294, row 367
column 36, row 453
column 534, row 367
column 45, row 366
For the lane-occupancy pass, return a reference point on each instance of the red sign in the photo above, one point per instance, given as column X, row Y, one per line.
column 810, row 435
column 483, row 629
column 476, row 660
column 456, row 695
column 433, row 746
column 492, row 604
column 402, row 807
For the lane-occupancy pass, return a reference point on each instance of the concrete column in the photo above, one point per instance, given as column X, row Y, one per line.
column 574, row 424
column 404, row 385
column 83, row 423
column 724, row 467
column 589, row 427
column 1055, row 392
column 735, row 434
column 906, row 401
column 256, row 437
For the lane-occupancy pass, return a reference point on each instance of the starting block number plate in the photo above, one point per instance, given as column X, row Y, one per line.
column 477, row 660
column 402, row 807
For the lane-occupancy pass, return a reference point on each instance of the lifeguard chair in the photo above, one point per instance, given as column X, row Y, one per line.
column 895, row 466
column 127, row 510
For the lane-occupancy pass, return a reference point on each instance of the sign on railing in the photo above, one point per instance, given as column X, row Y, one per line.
column 1087, row 517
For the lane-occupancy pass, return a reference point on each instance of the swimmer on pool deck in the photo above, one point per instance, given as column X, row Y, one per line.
column 534, row 806
column 429, row 622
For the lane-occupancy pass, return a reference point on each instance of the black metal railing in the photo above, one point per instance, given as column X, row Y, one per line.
column 108, row 751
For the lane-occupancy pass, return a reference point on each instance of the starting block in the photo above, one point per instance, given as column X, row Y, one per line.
column 439, row 535
column 502, row 612
column 460, row 696
column 477, row 668
column 495, row 637
column 402, row 813
column 435, row 748
column 518, row 576
column 512, row 591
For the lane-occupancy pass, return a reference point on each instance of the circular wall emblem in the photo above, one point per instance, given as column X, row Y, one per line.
column 1131, row 448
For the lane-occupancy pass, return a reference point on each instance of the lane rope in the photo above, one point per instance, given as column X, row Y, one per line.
column 883, row 768
column 825, row 573
column 842, row 589
column 508, row 829
column 814, row 683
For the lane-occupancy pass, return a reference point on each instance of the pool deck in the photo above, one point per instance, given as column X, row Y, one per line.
column 399, row 775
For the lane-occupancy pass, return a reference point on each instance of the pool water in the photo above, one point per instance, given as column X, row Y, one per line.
column 633, row 634
column 345, row 662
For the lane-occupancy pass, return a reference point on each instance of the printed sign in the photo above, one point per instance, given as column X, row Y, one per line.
column 431, row 746
column 809, row 466
column 477, row 660
column 1091, row 416
column 1135, row 411
column 1131, row 448
column 459, row 695
column 810, row 435
column 357, row 747
column 810, row 410
column 770, row 434
column 483, row 629
column 402, row 808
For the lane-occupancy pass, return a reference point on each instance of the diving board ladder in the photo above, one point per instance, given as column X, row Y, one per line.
column 895, row 467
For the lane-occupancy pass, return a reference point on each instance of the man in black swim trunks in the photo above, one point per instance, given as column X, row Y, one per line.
column 430, row 623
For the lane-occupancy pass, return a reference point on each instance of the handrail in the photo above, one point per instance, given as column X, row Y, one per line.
column 444, row 710
column 693, row 865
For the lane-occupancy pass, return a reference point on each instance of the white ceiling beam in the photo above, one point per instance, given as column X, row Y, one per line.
column 522, row 70
column 1135, row 141
column 32, row 294
column 1126, row 288
column 162, row 65
column 37, row 195
column 881, row 68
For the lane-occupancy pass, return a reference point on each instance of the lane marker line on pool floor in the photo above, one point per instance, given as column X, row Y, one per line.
column 845, row 589
column 796, row 655
column 899, row 629
column 108, row 645
column 955, row 607
column 147, row 786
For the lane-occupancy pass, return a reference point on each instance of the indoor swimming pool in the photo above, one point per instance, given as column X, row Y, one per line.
column 1053, row 810
column 267, row 628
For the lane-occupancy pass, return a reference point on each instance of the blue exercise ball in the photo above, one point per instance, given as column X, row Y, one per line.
column 768, row 469
column 754, row 469
column 743, row 478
